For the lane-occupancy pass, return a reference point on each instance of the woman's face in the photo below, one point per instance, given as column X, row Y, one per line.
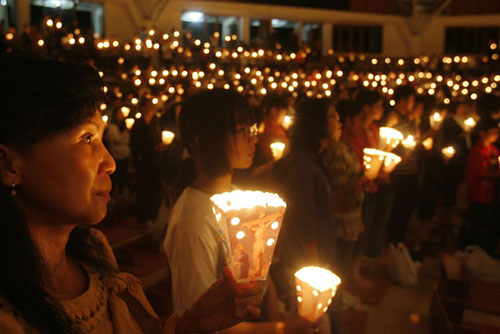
column 241, row 148
column 376, row 111
column 334, row 124
column 66, row 178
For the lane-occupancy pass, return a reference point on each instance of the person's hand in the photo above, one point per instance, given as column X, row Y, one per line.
column 299, row 325
column 223, row 305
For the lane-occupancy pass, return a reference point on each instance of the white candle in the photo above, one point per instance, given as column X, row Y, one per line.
column 277, row 149
column 316, row 288
column 167, row 137
column 250, row 222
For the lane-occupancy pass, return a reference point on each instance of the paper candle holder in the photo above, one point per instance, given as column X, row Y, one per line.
column 470, row 123
column 391, row 161
column 277, row 148
column 435, row 120
column 125, row 111
column 287, row 121
column 409, row 142
column 448, row 152
column 316, row 288
column 167, row 137
column 373, row 160
column 250, row 222
column 129, row 123
column 428, row 143
column 392, row 137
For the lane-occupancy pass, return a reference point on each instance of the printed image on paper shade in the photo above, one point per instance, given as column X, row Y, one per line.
column 316, row 288
column 250, row 222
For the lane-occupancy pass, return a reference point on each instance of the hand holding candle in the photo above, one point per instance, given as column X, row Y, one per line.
column 316, row 288
column 277, row 148
column 167, row 137
column 250, row 222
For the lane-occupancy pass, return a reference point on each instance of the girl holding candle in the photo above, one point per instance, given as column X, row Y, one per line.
column 58, row 274
column 308, row 234
column 219, row 137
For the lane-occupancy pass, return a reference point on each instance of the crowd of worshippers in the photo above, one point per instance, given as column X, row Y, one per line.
column 225, row 116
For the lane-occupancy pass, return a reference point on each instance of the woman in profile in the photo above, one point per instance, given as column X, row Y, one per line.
column 57, row 273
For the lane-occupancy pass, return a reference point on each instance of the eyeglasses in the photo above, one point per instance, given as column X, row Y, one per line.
column 249, row 131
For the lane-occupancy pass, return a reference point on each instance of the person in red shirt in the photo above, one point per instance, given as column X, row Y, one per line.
column 482, row 186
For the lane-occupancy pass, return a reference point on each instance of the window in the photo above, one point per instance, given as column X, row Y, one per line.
column 475, row 40
column 366, row 39
column 72, row 13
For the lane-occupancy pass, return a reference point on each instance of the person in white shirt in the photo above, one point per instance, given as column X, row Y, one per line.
column 217, row 128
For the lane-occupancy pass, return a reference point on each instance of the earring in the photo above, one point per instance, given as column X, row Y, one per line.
column 13, row 190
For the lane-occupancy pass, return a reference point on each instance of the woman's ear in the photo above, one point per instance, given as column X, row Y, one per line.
column 10, row 163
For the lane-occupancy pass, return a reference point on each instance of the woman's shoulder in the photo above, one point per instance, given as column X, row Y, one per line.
column 10, row 321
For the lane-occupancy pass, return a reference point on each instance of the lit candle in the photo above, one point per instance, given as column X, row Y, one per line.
column 316, row 288
column 167, row 137
column 409, row 142
column 277, row 149
column 435, row 120
column 392, row 137
column 372, row 160
column 428, row 143
column 448, row 152
column 390, row 162
column 469, row 123
column 250, row 222
column 129, row 123
column 287, row 121
column 125, row 111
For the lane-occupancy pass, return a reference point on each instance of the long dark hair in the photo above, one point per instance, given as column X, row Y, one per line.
column 310, row 124
column 39, row 99
column 206, row 119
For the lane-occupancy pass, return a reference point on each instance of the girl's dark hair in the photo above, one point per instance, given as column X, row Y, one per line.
column 39, row 99
column 310, row 124
column 368, row 97
column 206, row 119
column 348, row 109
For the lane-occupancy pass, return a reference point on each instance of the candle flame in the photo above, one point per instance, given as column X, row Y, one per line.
column 318, row 278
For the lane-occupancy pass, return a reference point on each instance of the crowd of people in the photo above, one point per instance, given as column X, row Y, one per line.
column 225, row 106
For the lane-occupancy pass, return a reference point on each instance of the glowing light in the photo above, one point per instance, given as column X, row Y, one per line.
column 167, row 137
